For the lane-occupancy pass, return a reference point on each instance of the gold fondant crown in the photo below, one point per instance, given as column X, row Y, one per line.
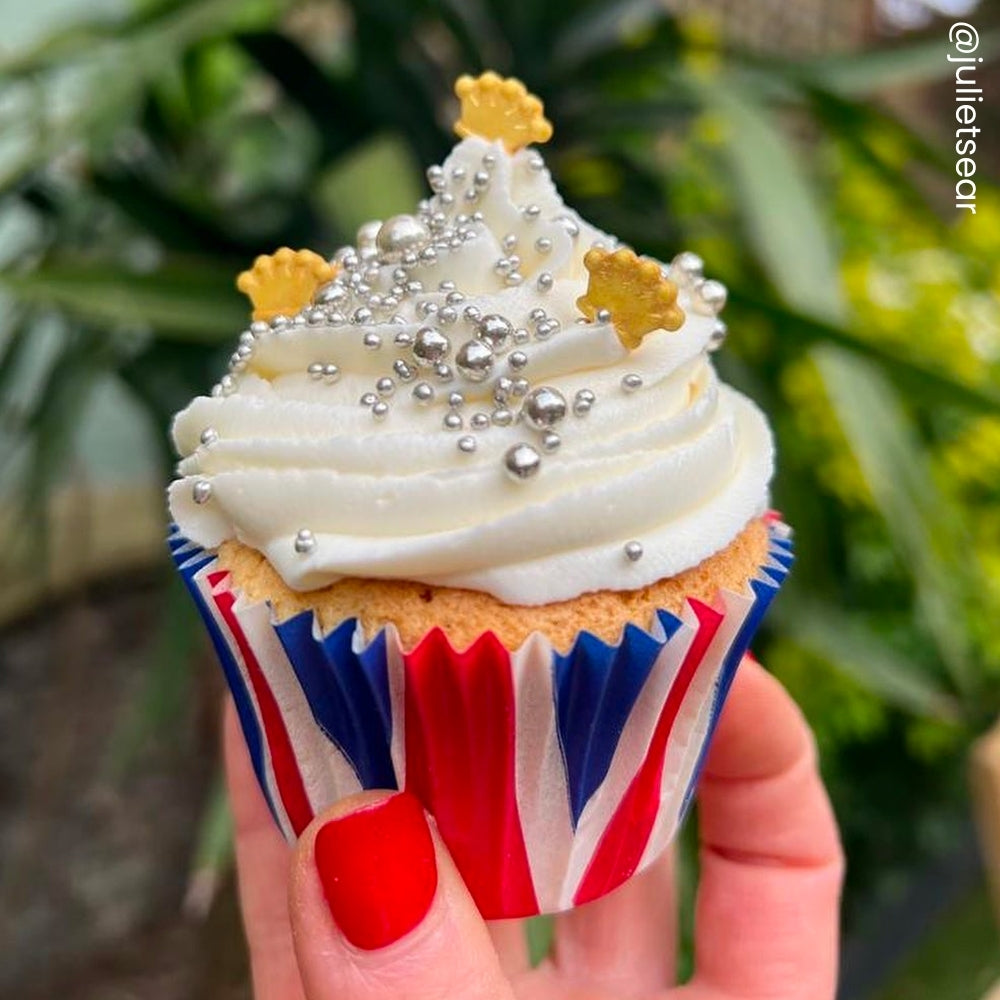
column 283, row 282
column 633, row 290
column 494, row 107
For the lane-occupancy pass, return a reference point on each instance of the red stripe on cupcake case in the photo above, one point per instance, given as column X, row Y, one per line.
column 622, row 845
column 286, row 770
column 460, row 752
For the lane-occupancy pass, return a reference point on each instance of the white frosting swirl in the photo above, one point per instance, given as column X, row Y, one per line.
column 682, row 464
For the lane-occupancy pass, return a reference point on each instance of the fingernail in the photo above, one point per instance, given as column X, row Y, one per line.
column 378, row 870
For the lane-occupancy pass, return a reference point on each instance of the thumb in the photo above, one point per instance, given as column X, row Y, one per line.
column 379, row 911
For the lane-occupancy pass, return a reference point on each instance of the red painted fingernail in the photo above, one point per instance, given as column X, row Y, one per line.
column 378, row 870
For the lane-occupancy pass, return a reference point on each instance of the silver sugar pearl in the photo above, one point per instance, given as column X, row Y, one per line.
column 467, row 444
column 452, row 421
column 537, row 314
column 521, row 336
column 686, row 268
column 279, row 323
column 414, row 287
column 718, row 337
column 201, row 491
column 489, row 160
column 403, row 339
column 305, row 541
column 495, row 331
column 316, row 316
column 544, row 407
column 502, row 388
column 545, row 281
column 551, row 441
column 436, row 178
column 315, row 370
column 502, row 417
column 509, row 242
column 513, row 279
column 399, row 236
column 259, row 327
column 404, row 371
column 517, row 360
column 519, row 387
column 331, row 372
column 531, row 212
column 709, row 297
column 456, row 399
column 428, row 255
column 423, row 392
column 546, row 328
column 368, row 399
column 472, row 314
column 380, row 410
column 444, row 373
column 209, row 436
column 330, row 294
column 536, row 163
column 372, row 341
column 362, row 315
column 522, row 462
column 446, row 198
column 447, row 315
column 454, row 298
column 543, row 244
column 430, row 347
column 631, row 382
column 458, row 173
column 475, row 360
column 367, row 235
column 446, row 285
column 481, row 179
column 633, row 551
column 479, row 421
column 385, row 386
column 247, row 339
column 569, row 224
column 587, row 396
column 603, row 316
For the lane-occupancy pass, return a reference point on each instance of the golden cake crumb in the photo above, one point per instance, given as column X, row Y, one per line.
column 415, row 608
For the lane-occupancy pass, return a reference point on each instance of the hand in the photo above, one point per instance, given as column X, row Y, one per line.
column 370, row 907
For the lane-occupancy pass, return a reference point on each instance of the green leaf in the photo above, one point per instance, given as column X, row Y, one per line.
column 923, row 526
column 851, row 646
column 179, row 301
column 798, row 331
column 861, row 74
column 539, row 932
column 783, row 214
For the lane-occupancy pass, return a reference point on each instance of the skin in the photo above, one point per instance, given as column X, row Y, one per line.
column 766, row 916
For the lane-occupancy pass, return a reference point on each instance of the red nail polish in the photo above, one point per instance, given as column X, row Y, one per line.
column 378, row 870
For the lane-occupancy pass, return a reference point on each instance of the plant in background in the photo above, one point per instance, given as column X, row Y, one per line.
column 150, row 158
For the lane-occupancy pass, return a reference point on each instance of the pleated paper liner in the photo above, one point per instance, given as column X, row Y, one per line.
column 552, row 777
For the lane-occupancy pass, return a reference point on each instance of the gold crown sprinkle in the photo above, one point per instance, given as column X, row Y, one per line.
column 494, row 107
column 634, row 292
column 283, row 282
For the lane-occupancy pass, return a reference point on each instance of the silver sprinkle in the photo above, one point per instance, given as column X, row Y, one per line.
column 544, row 407
column 427, row 308
column 709, row 297
column 305, row 541
column 403, row 370
column 414, row 287
column 633, row 551
column 201, row 491
column 209, row 436
column 447, row 315
column 520, row 387
column 631, row 382
column 686, row 268
column 403, row 339
column 587, row 396
column 522, row 462
column 475, row 360
column 444, row 373
column 502, row 417
column 603, row 316
column 514, row 279
column 481, row 179
column 454, row 298
column 479, row 421
column 380, row 410
column 545, row 281
column 521, row 336
column 315, row 370
column 531, row 211
column 400, row 235
column 509, row 242
column 467, row 444
column 456, row 399
column 452, row 421
column 543, row 244
column 430, row 347
column 372, row 341
column 362, row 315
column 368, row 399
column 458, row 173
column 536, row 163
column 428, row 255
column 546, row 328
column 247, row 339
column 227, row 385
column 472, row 314
column 551, row 441
column 581, row 407
column 517, row 360
column 502, row 388
column 569, row 224
column 435, row 176
column 279, row 322
column 471, row 195
column 423, row 392
column 537, row 314
column 446, row 285
column 385, row 386
column 718, row 336
column 446, row 198
column 495, row 330
column 331, row 372
column 489, row 160
column 259, row 327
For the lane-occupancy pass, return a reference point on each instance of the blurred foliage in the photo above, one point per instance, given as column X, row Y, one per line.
column 146, row 158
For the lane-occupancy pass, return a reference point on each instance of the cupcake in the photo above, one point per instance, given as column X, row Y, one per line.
column 471, row 514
